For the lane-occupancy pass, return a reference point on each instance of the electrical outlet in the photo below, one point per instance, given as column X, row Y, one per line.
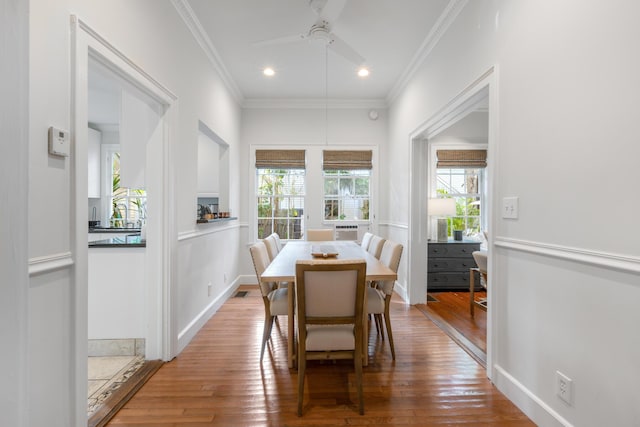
column 564, row 387
column 209, row 289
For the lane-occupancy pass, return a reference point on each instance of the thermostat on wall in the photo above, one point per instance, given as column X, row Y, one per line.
column 58, row 142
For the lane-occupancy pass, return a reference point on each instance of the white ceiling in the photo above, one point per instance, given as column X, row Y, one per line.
column 389, row 34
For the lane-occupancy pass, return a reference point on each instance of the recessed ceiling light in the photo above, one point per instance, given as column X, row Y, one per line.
column 268, row 72
column 363, row 72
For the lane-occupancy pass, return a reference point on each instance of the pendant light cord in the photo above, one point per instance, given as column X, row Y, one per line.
column 326, row 95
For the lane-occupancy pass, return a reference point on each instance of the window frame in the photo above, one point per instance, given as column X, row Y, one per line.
column 482, row 179
column 286, row 196
column 339, row 199
column 108, row 152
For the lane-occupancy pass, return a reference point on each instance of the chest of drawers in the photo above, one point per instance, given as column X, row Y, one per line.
column 448, row 265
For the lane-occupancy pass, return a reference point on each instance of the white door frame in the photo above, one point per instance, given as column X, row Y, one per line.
column 161, row 227
column 419, row 158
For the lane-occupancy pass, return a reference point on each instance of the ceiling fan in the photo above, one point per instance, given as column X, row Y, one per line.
column 328, row 11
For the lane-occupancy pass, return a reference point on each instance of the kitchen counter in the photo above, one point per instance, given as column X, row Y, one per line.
column 113, row 230
column 130, row 241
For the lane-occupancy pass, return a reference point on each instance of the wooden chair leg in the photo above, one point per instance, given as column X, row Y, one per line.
column 472, row 287
column 357, row 362
column 379, row 326
column 387, row 320
column 266, row 332
column 302, row 365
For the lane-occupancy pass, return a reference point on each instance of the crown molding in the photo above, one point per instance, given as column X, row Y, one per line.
column 313, row 103
column 193, row 24
column 441, row 26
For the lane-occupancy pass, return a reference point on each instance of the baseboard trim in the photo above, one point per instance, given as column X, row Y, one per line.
column 533, row 407
column 186, row 335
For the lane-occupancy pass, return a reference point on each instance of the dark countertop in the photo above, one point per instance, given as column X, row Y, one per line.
column 208, row 221
column 113, row 230
column 131, row 241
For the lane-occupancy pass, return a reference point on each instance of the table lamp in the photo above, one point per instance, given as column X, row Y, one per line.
column 442, row 208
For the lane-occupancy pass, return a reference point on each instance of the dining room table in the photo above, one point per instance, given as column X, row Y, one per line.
column 283, row 269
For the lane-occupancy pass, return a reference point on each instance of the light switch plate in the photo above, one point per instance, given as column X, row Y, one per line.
column 510, row 207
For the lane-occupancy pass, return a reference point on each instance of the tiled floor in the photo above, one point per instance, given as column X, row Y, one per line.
column 106, row 374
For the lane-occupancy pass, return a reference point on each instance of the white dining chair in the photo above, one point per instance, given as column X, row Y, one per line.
column 320, row 234
column 379, row 296
column 366, row 240
column 272, row 246
column 275, row 299
column 330, row 298
column 375, row 246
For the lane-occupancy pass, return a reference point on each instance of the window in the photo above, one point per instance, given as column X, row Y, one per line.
column 463, row 185
column 280, row 192
column 128, row 205
column 347, row 189
column 346, row 195
column 460, row 175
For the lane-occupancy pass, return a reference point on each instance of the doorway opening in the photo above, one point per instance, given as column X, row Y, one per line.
column 149, row 112
column 453, row 128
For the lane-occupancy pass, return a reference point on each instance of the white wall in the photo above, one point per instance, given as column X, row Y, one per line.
column 565, row 272
column 14, row 44
column 152, row 35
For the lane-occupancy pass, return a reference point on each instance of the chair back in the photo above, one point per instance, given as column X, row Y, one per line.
column 366, row 239
column 390, row 256
column 261, row 261
column 330, row 293
column 276, row 237
column 272, row 246
column 375, row 246
column 321, row 234
column 481, row 260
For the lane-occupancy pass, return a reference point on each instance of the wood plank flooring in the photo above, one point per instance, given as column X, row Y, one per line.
column 218, row 380
column 452, row 308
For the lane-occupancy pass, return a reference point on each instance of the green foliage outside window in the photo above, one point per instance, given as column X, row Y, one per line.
column 280, row 200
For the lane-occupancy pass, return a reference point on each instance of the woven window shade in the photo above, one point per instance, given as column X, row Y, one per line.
column 346, row 160
column 280, row 159
column 462, row 158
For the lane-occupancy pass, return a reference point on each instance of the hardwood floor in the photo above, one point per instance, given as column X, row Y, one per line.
column 450, row 311
column 218, row 380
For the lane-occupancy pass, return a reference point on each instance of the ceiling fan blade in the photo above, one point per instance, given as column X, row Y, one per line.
column 328, row 10
column 281, row 40
column 340, row 47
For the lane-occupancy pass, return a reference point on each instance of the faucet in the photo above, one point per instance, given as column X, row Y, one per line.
column 126, row 214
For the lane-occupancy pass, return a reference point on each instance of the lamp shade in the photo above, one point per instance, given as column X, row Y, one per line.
column 441, row 207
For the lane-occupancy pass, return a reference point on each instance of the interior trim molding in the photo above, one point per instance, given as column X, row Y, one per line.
column 393, row 225
column 441, row 26
column 186, row 335
column 533, row 407
column 206, row 229
column 596, row 258
column 313, row 103
column 47, row 263
column 112, row 49
column 200, row 35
